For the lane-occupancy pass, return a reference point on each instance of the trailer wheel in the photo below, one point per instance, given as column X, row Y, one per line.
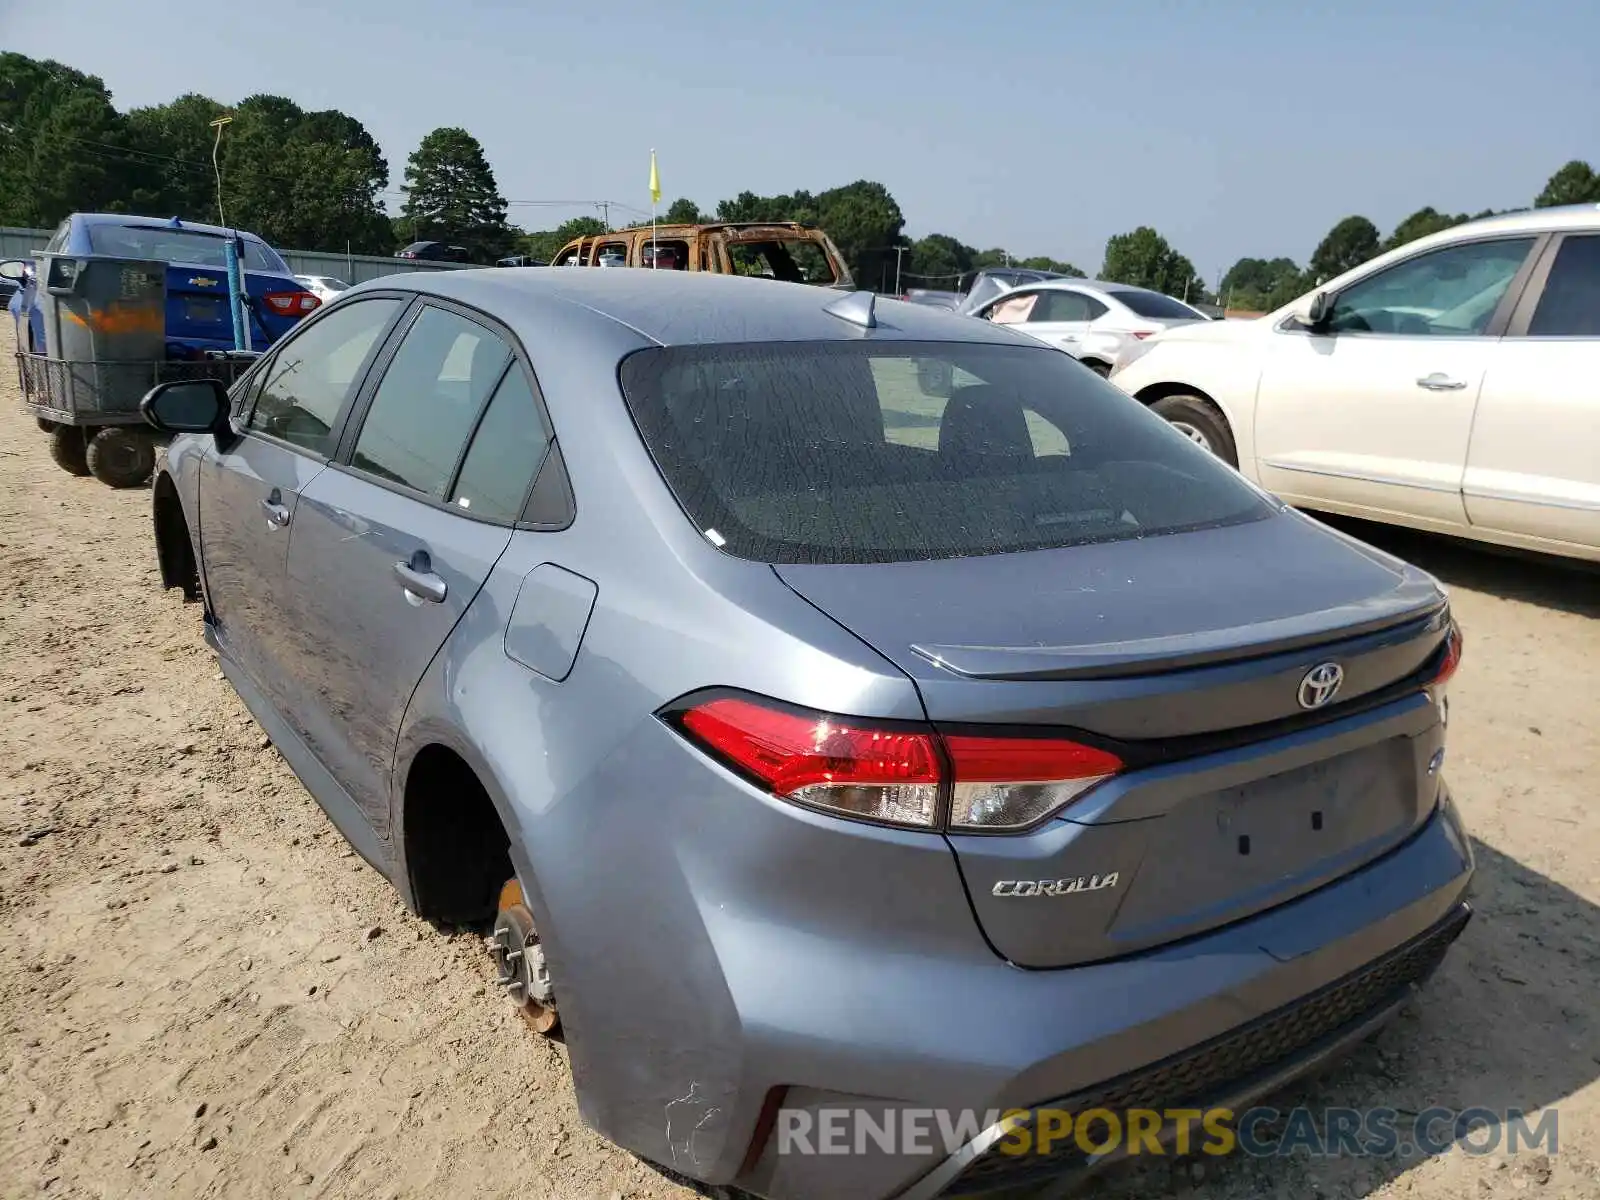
column 46, row 425
column 122, row 457
column 68, row 449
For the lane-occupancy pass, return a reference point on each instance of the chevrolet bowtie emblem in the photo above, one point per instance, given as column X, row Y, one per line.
column 202, row 281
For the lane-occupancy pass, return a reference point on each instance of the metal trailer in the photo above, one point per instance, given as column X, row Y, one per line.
column 105, row 347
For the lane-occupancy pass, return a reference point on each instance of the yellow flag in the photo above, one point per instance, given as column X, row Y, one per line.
column 655, row 181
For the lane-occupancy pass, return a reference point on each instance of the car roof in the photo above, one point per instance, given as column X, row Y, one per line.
column 1537, row 220
column 688, row 308
column 135, row 222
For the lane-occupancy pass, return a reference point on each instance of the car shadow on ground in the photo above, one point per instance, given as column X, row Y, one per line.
column 1565, row 584
column 1507, row 1023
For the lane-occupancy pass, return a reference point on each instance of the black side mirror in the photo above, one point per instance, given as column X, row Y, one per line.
column 187, row 406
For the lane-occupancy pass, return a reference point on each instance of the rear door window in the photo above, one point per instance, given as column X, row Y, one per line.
column 838, row 452
column 306, row 384
column 1014, row 310
column 1064, row 306
column 506, row 453
column 1570, row 303
column 429, row 400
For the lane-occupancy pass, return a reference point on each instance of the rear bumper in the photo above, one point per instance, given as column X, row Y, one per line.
column 1228, row 1072
column 1217, row 1019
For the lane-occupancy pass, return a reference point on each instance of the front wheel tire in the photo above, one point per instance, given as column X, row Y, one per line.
column 1201, row 422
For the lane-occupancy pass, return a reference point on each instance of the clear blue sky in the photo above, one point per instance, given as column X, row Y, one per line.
column 1234, row 128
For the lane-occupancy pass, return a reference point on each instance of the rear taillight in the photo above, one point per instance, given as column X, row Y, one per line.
column 1011, row 782
column 1452, row 657
column 291, row 304
column 897, row 774
column 1141, row 334
column 889, row 775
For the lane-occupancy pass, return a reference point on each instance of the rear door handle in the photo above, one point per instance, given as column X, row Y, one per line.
column 421, row 583
column 1438, row 382
column 277, row 514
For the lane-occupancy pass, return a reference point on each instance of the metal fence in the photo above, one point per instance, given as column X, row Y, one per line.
column 352, row 268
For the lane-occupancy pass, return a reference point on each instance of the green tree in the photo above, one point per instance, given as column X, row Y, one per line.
column 937, row 261
column 865, row 223
column 1349, row 244
column 176, row 140
column 451, row 195
column 546, row 244
column 862, row 218
column 683, row 211
column 63, row 147
column 308, row 181
column 1420, row 224
column 1575, row 183
column 1045, row 263
column 1144, row 259
column 1260, row 284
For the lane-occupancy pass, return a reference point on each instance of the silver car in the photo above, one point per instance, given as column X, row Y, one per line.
column 820, row 751
column 1091, row 320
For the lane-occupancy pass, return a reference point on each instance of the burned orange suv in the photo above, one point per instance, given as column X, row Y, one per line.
column 778, row 250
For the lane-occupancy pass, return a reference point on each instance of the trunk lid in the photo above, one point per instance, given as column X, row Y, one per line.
column 1184, row 654
column 197, row 306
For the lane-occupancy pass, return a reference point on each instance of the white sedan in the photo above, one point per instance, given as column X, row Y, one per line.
column 1452, row 385
column 1091, row 320
column 323, row 287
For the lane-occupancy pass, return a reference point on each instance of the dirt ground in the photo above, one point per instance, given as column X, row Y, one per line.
column 203, row 992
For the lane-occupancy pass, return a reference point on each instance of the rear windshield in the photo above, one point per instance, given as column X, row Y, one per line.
column 847, row 452
column 1157, row 307
column 179, row 245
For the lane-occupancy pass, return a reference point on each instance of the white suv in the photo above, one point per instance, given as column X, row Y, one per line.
column 1452, row 384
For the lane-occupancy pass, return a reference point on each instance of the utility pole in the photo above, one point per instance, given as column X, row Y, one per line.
column 605, row 211
column 898, row 252
column 216, row 164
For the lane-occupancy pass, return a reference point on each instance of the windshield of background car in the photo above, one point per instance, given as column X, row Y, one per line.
column 180, row 245
column 830, row 452
column 796, row 260
column 1156, row 306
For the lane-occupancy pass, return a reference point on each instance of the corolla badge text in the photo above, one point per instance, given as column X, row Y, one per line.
column 1053, row 887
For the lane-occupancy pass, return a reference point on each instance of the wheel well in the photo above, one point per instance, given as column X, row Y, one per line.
column 458, row 855
column 174, row 549
column 1160, row 391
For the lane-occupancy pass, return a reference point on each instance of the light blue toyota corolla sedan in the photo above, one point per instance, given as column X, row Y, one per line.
column 816, row 747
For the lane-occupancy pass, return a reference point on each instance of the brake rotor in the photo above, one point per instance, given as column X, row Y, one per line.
column 523, row 973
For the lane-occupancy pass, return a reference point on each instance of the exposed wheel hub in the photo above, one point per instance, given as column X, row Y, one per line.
column 519, row 959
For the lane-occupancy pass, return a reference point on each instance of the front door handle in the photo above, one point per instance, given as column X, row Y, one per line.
column 1438, row 382
column 419, row 580
column 277, row 514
